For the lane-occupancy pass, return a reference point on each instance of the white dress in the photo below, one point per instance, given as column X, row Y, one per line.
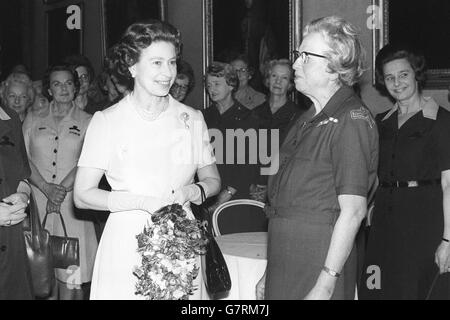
column 144, row 157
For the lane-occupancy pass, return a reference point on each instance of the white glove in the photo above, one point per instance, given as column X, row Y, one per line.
column 126, row 201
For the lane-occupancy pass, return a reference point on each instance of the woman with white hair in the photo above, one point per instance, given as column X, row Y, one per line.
column 328, row 162
column 17, row 93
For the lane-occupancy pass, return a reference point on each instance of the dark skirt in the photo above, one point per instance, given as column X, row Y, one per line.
column 15, row 276
column 406, row 230
column 297, row 250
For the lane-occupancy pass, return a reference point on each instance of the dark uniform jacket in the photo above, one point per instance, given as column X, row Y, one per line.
column 15, row 281
column 244, row 168
column 333, row 153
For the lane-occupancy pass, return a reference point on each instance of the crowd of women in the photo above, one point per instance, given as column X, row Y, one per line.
column 89, row 146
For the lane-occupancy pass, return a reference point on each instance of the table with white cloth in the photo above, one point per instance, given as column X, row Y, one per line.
column 245, row 255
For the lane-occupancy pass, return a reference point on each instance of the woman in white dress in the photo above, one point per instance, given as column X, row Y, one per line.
column 150, row 147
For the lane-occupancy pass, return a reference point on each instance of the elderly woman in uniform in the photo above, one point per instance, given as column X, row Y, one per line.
column 53, row 141
column 17, row 93
column 328, row 162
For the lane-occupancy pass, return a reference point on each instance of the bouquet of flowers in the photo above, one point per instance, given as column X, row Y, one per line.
column 169, row 249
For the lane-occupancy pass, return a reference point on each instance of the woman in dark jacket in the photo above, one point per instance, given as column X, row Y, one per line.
column 15, row 277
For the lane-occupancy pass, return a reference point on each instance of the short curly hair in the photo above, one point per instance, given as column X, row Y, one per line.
column 223, row 70
column 48, row 73
column 110, row 68
column 17, row 77
column 136, row 38
column 278, row 62
column 392, row 52
column 347, row 55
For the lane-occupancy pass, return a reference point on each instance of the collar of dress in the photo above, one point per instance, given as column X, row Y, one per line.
column 429, row 109
column 3, row 115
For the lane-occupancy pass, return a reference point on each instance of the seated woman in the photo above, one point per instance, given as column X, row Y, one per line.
column 246, row 95
column 17, row 93
column 225, row 116
column 184, row 82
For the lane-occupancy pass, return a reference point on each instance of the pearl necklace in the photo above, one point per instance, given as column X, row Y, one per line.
column 151, row 115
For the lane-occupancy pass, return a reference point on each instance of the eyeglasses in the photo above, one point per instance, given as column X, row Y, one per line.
column 304, row 56
column 177, row 86
column 84, row 77
column 241, row 70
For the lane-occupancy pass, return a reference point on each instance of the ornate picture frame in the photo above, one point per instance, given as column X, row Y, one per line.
column 293, row 23
column 393, row 21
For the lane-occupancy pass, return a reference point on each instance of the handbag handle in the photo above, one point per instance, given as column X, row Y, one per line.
column 62, row 222
column 35, row 222
column 202, row 192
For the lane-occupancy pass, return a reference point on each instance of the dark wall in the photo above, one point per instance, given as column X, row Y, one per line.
column 11, row 22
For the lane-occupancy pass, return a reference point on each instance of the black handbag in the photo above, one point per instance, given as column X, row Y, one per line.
column 215, row 271
column 39, row 251
column 66, row 250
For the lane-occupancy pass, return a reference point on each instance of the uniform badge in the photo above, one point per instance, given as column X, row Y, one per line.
column 326, row 121
column 75, row 130
column 362, row 114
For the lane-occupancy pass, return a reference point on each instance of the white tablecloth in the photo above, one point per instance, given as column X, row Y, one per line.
column 245, row 255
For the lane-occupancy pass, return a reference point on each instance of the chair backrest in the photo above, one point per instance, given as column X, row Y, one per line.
column 258, row 224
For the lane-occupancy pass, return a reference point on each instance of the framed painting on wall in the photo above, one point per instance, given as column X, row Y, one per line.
column 260, row 29
column 64, row 32
column 119, row 14
column 425, row 25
